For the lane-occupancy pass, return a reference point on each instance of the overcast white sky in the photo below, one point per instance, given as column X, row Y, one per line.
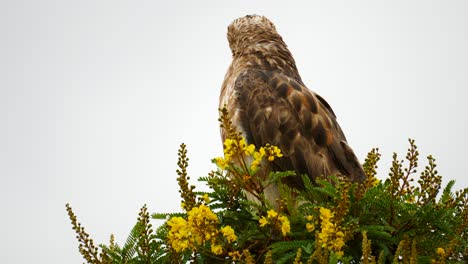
column 96, row 96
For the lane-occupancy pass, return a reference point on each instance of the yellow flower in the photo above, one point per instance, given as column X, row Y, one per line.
column 272, row 214
column 228, row 143
column 206, row 198
column 228, row 233
column 325, row 213
column 234, row 146
column 178, row 234
column 263, row 221
column 310, row 226
column 375, row 182
column 285, row 225
column 202, row 215
column 230, row 148
column 249, row 150
column 235, row 255
column 238, row 146
column 257, row 158
column 440, row 251
column 338, row 243
column 200, row 227
column 273, row 152
column 339, row 254
column 258, row 155
column 216, row 249
column 248, row 257
column 221, row 163
column 242, row 143
column 277, row 152
column 177, row 223
column 330, row 236
column 180, row 245
column 255, row 164
column 282, row 223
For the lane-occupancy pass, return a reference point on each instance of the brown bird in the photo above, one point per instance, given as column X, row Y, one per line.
column 268, row 102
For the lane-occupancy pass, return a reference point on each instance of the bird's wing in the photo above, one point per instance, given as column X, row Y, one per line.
column 278, row 110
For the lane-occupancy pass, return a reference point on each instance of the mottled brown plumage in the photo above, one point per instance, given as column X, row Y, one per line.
column 269, row 103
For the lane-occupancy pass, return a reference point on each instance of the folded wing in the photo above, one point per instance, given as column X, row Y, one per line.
column 278, row 110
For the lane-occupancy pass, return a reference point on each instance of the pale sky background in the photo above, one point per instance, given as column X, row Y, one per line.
column 96, row 96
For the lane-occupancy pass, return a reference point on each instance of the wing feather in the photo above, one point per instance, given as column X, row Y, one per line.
column 278, row 110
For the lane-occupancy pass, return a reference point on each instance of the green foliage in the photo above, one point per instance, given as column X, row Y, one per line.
column 330, row 220
column 142, row 245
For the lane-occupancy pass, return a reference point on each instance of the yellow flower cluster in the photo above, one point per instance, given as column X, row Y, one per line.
column 233, row 147
column 238, row 148
column 330, row 236
column 310, row 225
column 374, row 181
column 269, row 152
column 279, row 221
column 200, row 227
column 440, row 251
column 235, row 255
column 257, row 158
column 179, row 235
column 228, row 233
column 272, row 152
column 206, row 198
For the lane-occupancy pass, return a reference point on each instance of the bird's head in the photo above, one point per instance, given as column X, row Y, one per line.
column 248, row 31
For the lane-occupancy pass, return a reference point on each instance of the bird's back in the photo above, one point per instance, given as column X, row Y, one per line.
column 269, row 104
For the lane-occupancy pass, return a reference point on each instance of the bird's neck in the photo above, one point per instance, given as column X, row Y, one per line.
column 269, row 56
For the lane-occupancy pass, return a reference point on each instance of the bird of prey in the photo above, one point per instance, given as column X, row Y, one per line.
column 269, row 104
